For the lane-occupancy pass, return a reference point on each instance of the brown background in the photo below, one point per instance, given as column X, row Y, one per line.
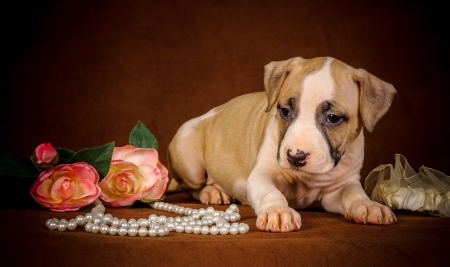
column 81, row 74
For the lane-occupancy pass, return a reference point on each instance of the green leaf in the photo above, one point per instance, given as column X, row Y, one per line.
column 64, row 155
column 147, row 201
column 141, row 137
column 14, row 165
column 98, row 157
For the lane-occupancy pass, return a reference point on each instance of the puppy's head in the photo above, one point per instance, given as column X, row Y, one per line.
column 322, row 105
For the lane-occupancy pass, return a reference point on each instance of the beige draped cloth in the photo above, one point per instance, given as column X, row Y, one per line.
column 400, row 187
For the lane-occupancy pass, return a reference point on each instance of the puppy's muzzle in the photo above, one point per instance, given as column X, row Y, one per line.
column 298, row 160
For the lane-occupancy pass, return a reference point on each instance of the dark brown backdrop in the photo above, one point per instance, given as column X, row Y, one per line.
column 81, row 74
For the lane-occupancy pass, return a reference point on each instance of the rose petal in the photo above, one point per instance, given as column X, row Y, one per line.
column 142, row 156
column 157, row 190
column 120, row 152
column 48, row 153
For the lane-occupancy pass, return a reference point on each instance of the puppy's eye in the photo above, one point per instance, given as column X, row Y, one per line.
column 332, row 118
column 285, row 112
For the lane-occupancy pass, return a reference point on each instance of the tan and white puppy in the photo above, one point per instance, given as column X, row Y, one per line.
column 301, row 141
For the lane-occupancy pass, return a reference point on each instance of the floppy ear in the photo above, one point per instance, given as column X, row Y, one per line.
column 274, row 75
column 375, row 97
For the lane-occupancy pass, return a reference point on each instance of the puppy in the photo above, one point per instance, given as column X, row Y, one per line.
column 280, row 150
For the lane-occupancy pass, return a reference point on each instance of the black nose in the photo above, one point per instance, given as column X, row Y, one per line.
column 297, row 160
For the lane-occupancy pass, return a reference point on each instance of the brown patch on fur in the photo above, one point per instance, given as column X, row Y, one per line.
column 345, row 105
column 292, row 89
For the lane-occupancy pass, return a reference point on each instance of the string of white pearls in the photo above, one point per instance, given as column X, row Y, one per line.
column 196, row 221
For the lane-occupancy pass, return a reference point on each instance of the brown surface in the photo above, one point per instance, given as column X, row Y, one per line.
column 326, row 239
column 82, row 73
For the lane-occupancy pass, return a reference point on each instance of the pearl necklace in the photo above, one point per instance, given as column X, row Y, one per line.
column 196, row 221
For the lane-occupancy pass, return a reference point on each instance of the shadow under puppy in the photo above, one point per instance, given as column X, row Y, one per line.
column 299, row 141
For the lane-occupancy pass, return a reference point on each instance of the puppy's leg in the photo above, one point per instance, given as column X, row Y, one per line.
column 351, row 201
column 271, row 207
column 209, row 194
column 187, row 168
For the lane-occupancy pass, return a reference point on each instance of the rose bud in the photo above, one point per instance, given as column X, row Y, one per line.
column 45, row 156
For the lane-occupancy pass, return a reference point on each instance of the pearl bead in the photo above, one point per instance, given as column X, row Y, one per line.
column 165, row 206
column 130, row 221
column 204, row 230
column 95, row 228
column 62, row 226
column 233, row 230
column 132, row 231
column 188, row 229
column 171, row 226
column 223, row 230
column 162, row 219
column 188, row 212
column 161, row 232
column 238, row 216
column 72, row 225
column 115, row 222
column 80, row 220
column 152, row 232
column 113, row 230
column 107, row 218
column 52, row 225
column 98, row 214
column 48, row 222
column 202, row 212
column 142, row 231
column 220, row 223
column 88, row 217
column 122, row 231
column 143, row 222
column 179, row 228
column 209, row 210
column 101, row 208
column 243, row 228
column 233, row 217
column 152, row 218
column 63, row 221
column 104, row 229
column 181, row 210
column 88, row 227
column 170, row 208
column 96, row 220
column 166, row 230
column 196, row 229
column 226, row 217
column 234, row 207
column 214, row 230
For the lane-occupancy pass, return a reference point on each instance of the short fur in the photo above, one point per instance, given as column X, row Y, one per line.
column 301, row 141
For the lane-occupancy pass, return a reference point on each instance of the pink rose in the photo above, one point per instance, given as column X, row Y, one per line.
column 66, row 187
column 45, row 153
column 135, row 174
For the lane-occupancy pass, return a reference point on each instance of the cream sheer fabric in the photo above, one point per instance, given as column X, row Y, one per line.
column 400, row 187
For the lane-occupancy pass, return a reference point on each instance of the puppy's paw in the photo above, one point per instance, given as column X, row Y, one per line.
column 282, row 219
column 210, row 195
column 368, row 211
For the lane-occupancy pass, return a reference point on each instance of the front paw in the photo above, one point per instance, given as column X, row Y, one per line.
column 368, row 211
column 281, row 219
